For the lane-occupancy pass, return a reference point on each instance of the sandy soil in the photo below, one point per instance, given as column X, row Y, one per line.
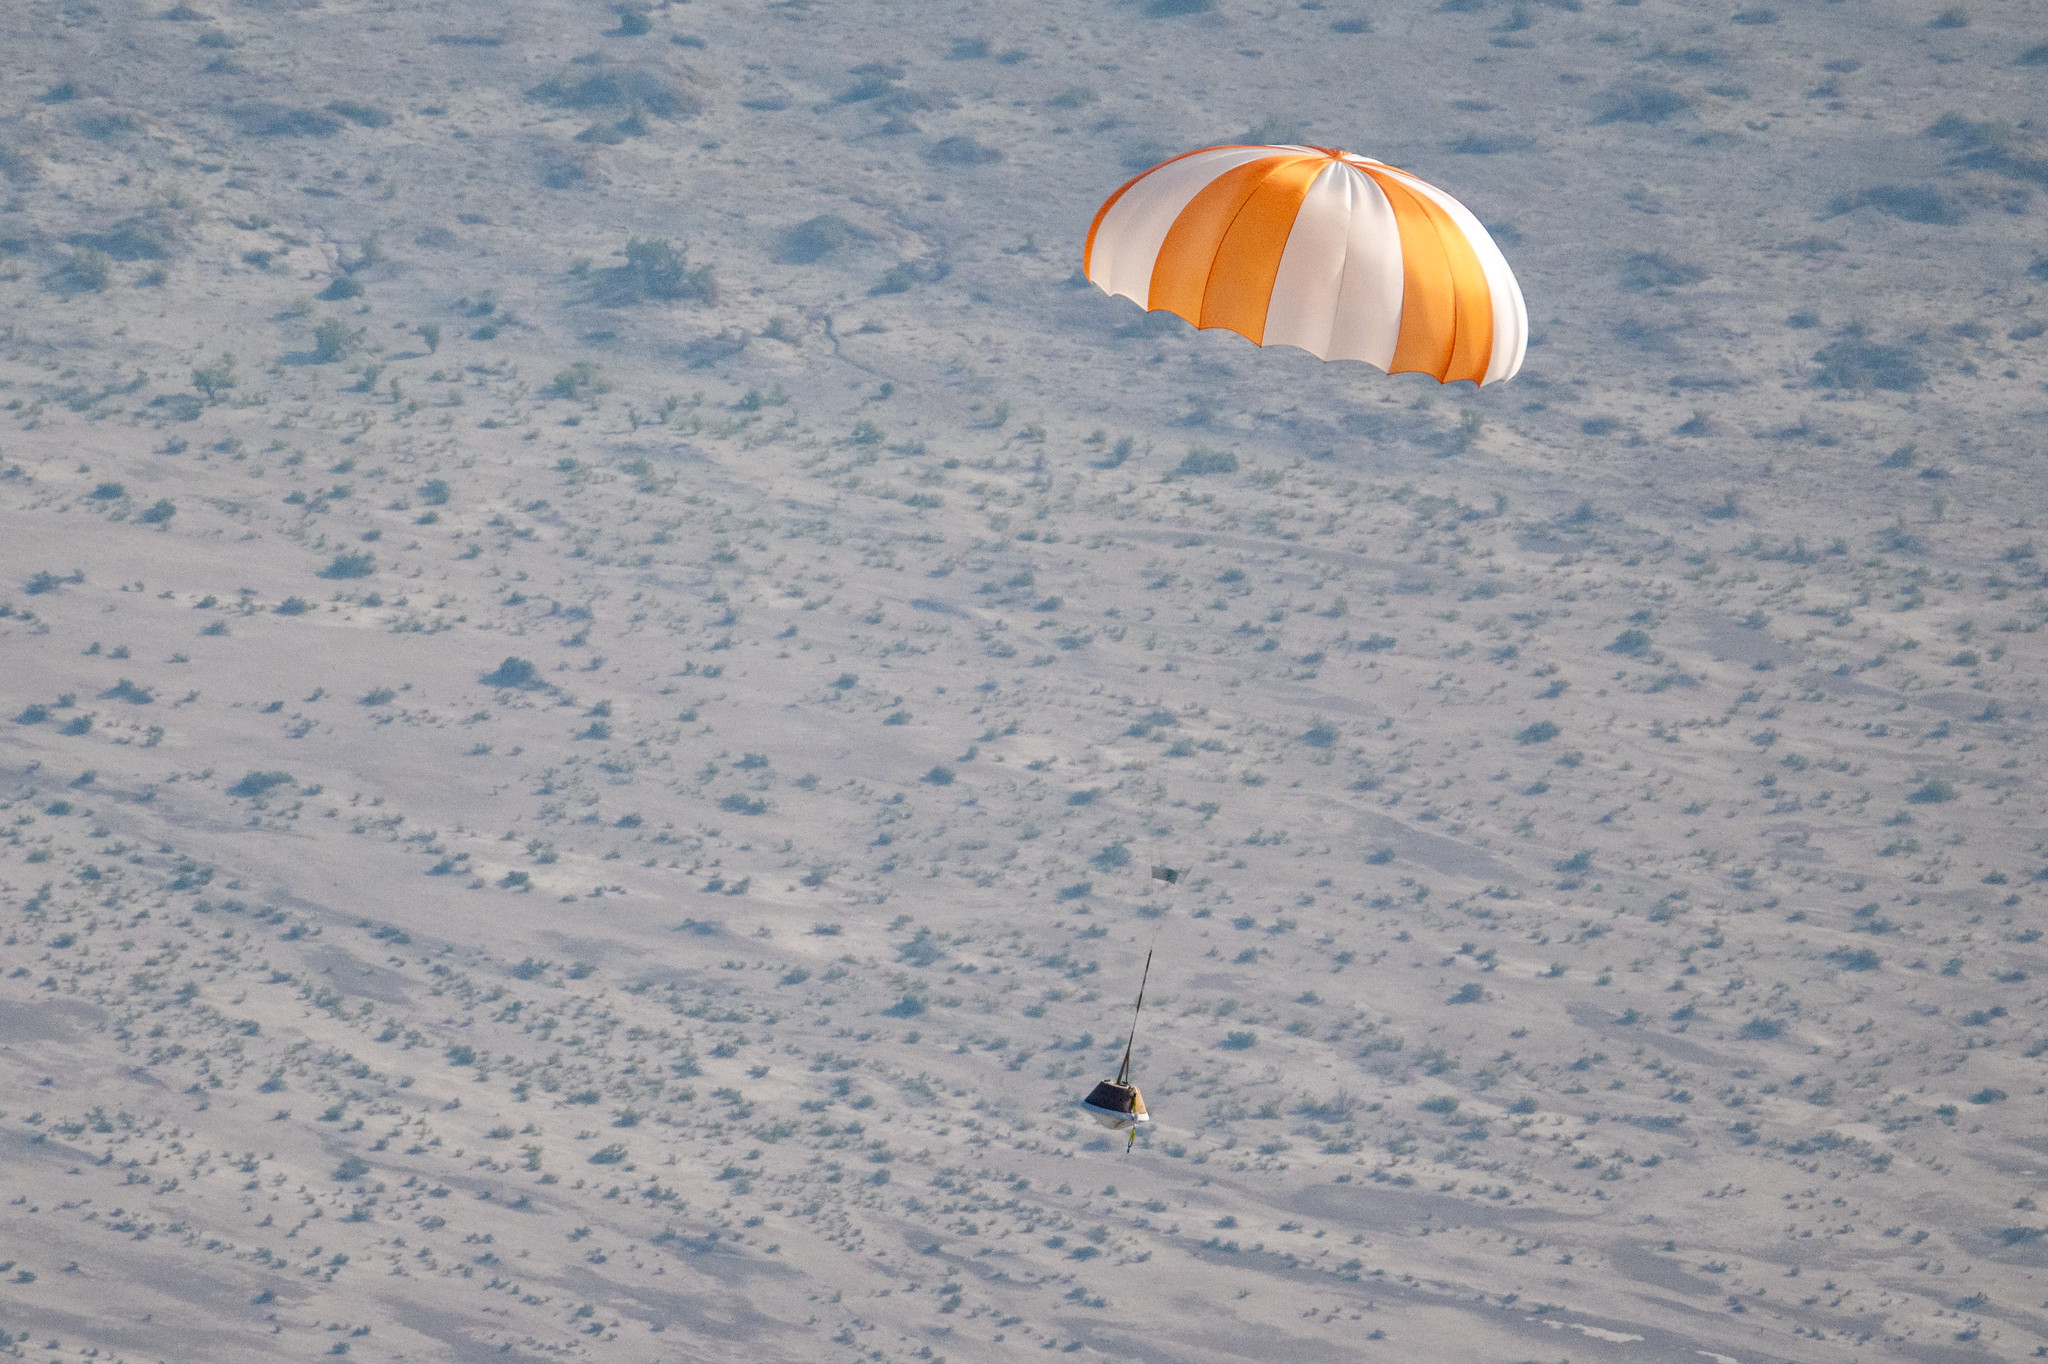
column 548, row 822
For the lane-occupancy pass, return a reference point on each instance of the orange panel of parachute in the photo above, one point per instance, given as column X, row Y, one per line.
column 1345, row 257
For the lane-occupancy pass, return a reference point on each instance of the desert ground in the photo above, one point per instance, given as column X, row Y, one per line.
column 599, row 633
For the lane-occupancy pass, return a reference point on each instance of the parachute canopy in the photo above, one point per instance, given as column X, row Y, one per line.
column 1344, row 256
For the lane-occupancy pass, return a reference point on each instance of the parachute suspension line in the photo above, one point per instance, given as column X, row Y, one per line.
column 1123, row 1072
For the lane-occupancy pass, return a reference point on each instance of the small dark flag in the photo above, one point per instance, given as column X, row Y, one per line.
column 1166, row 874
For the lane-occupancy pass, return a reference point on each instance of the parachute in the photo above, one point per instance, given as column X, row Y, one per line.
column 1346, row 257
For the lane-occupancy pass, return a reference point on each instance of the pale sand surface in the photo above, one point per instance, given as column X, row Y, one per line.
column 1537, row 990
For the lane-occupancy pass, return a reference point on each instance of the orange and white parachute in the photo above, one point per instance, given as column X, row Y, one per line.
column 1344, row 256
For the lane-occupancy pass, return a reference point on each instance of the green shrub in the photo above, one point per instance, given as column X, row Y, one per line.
column 595, row 86
column 1633, row 643
column 1911, row 203
column 962, row 150
column 130, row 239
column 216, row 378
column 815, row 238
column 658, row 271
column 90, row 270
column 1200, row 461
column 1641, row 104
column 333, row 341
column 259, row 118
column 259, row 783
column 1851, row 361
column 362, row 115
column 513, row 672
column 580, row 381
column 350, row 566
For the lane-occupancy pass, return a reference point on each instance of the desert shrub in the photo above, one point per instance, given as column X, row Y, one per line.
column 580, row 381
column 1861, row 959
column 1641, row 104
column 263, row 119
column 938, row 776
column 1760, row 1029
column 659, row 271
column 258, row 783
column 513, row 672
column 596, row 86
column 434, row 492
column 1200, row 461
column 1934, row 791
column 216, row 378
column 2033, row 56
column 1912, row 203
column 1542, row 732
column 292, row 606
column 739, row 803
column 1477, row 144
column 1351, row 26
column 1321, row 734
column 1630, row 642
column 341, row 287
column 910, row 1006
column 351, row 566
column 1754, row 16
column 815, row 238
column 89, row 269
column 1470, row 993
column 896, row 280
column 1655, row 270
column 333, row 341
column 1852, row 361
column 961, row 150
column 108, row 492
column 158, row 513
column 362, row 115
column 130, row 239
column 1239, row 1041
column 100, row 127
column 1173, row 9
column 351, row 1168
column 1112, row 857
